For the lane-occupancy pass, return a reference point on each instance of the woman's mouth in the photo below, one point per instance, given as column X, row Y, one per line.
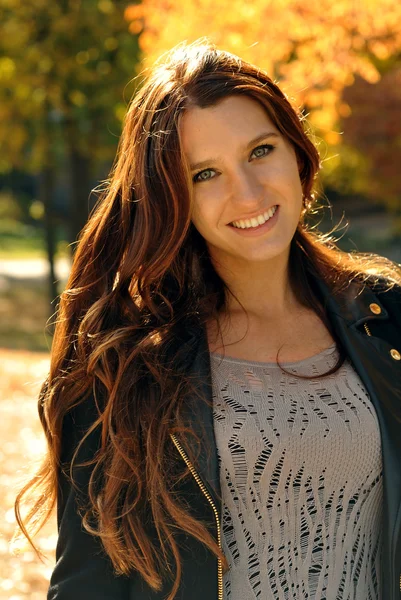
column 258, row 225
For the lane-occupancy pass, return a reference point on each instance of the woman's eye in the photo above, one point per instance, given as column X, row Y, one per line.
column 263, row 150
column 259, row 152
column 202, row 175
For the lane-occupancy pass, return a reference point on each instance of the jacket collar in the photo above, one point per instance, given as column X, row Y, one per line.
column 355, row 304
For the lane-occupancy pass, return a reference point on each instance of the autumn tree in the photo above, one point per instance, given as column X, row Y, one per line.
column 65, row 69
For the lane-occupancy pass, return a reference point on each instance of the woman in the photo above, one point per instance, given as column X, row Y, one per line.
column 223, row 405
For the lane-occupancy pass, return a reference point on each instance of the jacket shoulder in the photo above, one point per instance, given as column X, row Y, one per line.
column 388, row 295
column 389, row 292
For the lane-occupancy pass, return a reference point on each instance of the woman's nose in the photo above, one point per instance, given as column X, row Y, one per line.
column 245, row 188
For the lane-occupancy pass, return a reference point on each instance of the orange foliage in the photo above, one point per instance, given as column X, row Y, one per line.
column 312, row 49
column 373, row 128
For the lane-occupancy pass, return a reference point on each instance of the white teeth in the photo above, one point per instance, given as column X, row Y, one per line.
column 255, row 221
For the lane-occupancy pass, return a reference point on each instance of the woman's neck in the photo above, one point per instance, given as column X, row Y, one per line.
column 274, row 323
column 262, row 289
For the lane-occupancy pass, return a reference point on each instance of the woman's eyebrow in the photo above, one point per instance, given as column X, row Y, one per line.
column 259, row 138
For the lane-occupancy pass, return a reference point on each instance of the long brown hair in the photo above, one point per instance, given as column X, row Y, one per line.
column 140, row 279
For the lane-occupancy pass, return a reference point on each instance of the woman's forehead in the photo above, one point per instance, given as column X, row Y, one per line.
column 235, row 118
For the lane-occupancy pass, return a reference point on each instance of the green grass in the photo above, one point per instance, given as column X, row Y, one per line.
column 18, row 240
column 23, row 249
column 24, row 311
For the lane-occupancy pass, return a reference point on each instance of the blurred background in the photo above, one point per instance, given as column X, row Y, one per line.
column 67, row 72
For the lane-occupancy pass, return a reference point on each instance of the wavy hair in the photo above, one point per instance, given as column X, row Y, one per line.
column 141, row 278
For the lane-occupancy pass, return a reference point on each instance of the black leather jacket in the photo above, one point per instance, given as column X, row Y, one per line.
column 368, row 324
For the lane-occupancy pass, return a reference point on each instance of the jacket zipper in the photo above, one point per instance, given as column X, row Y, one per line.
column 212, row 504
column 370, row 334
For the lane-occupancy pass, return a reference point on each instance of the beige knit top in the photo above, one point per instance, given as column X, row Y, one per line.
column 301, row 479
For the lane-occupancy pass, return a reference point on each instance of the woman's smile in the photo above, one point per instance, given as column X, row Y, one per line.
column 248, row 227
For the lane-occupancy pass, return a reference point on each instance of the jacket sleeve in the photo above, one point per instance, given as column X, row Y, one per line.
column 83, row 571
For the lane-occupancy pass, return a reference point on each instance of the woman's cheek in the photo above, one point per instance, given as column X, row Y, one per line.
column 199, row 213
column 210, row 200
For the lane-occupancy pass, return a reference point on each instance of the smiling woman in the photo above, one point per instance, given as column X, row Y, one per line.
column 223, row 405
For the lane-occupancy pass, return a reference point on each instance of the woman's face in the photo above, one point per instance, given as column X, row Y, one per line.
column 247, row 190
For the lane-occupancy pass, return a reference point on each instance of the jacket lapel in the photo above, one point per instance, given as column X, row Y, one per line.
column 381, row 376
column 198, row 413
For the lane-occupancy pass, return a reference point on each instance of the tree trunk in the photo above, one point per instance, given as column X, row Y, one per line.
column 46, row 192
column 80, row 170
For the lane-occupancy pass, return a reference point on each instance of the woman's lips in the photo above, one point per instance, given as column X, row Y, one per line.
column 260, row 229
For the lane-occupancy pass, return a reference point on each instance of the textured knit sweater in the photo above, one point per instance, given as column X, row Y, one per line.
column 301, row 480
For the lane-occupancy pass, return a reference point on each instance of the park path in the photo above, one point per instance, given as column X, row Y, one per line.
column 27, row 268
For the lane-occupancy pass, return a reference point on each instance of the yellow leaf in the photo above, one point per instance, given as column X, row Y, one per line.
column 332, row 138
column 36, row 210
column 82, row 57
column 105, row 6
column 38, row 95
column 111, row 43
column 93, row 53
column 134, row 11
column 135, row 27
column 103, row 67
column 77, row 97
column 7, row 68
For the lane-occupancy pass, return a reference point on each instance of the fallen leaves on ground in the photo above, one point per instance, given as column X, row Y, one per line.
column 22, row 575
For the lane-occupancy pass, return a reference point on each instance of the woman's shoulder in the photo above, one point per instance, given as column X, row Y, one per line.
column 354, row 299
column 388, row 295
column 387, row 289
